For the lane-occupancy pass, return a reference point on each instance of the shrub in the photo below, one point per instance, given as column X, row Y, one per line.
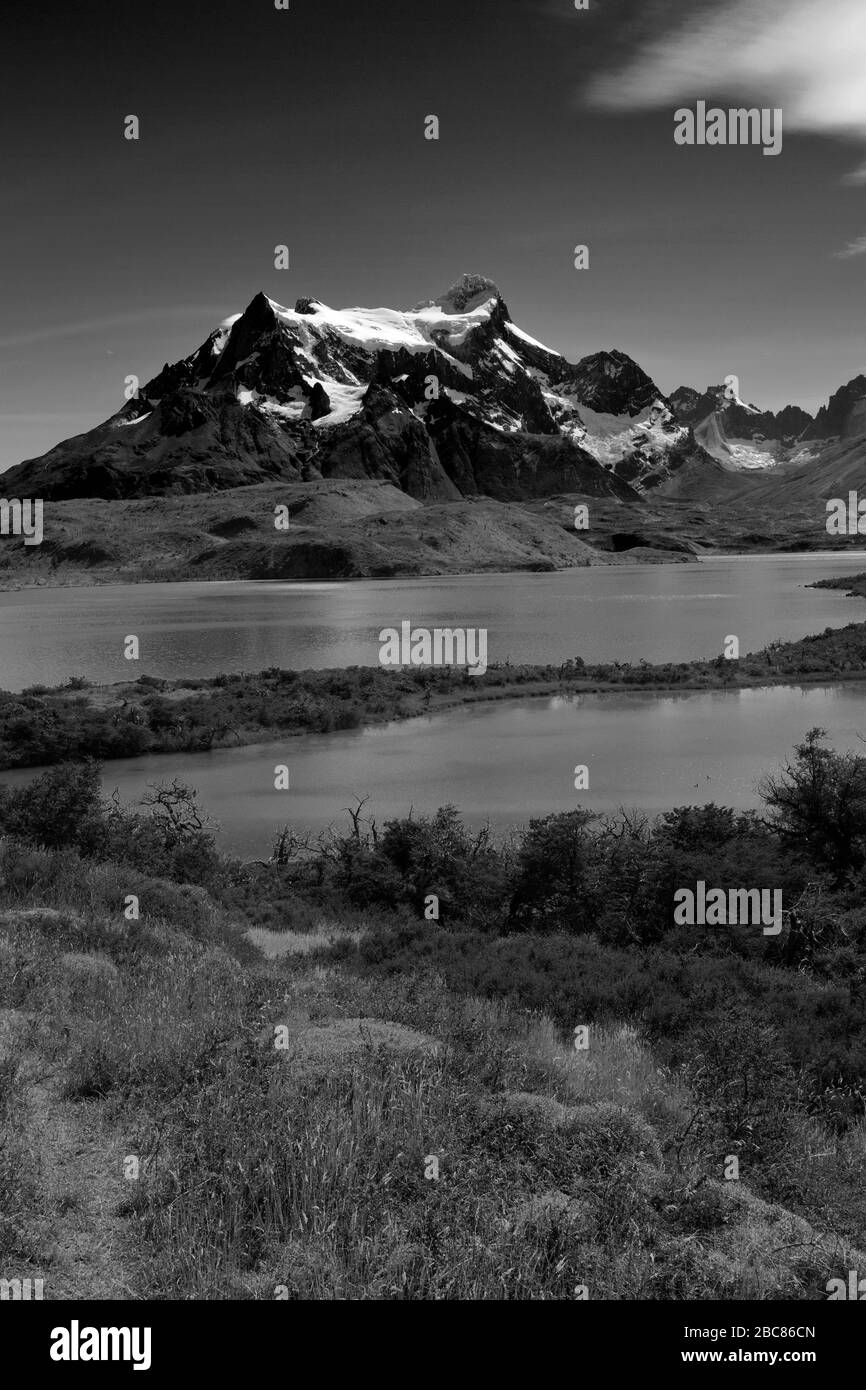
column 63, row 806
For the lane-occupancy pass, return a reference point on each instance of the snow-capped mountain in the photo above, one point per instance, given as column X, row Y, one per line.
column 450, row 399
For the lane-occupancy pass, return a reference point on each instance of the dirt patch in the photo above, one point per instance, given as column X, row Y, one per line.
column 83, row 1187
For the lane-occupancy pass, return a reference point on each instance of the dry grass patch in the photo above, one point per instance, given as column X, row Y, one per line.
column 274, row 944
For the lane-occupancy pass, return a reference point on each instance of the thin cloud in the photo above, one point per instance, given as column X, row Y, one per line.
column 854, row 248
column 38, row 417
column 84, row 326
column 807, row 58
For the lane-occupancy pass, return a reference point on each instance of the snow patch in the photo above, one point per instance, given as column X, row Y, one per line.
column 525, row 338
column 752, row 454
column 610, row 437
column 377, row 330
column 346, row 401
column 137, row 421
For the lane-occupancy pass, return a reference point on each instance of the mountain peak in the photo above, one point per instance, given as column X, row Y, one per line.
column 465, row 294
column 259, row 313
column 308, row 304
column 843, row 415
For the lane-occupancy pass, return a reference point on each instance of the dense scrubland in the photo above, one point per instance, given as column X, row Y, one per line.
column 41, row 725
column 242, row 1091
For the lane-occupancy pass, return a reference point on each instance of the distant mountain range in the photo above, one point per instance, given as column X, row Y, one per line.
column 742, row 436
column 450, row 400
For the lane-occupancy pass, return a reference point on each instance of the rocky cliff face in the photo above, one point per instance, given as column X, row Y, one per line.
column 844, row 416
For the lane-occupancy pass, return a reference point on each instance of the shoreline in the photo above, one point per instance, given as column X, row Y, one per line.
column 43, row 726
column 606, row 559
column 541, row 692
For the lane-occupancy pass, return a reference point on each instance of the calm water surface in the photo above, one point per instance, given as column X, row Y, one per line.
column 507, row 762
column 661, row 612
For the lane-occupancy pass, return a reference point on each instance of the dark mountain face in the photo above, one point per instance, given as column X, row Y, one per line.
column 611, row 383
column 844, row 416
column 685, row 402
column 450, row 399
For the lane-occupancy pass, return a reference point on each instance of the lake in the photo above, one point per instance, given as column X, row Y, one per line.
column 670, row 612
column 508, row 761
column 503, row 761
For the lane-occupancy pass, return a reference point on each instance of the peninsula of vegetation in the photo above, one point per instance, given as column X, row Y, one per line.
column 41, row 726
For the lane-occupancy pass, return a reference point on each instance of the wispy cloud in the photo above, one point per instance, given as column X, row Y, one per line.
column 808, row 58
column 38, row 417
column 81, row 327
column 854, row 248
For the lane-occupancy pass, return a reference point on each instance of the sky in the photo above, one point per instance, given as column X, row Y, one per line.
column 305, row 127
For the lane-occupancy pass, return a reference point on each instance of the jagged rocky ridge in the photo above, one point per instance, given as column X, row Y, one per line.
column 741, row 419
column 743, row 437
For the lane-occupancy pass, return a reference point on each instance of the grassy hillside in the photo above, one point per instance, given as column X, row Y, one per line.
column 282, row 1080
column 360, row 529
column 337, row 530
